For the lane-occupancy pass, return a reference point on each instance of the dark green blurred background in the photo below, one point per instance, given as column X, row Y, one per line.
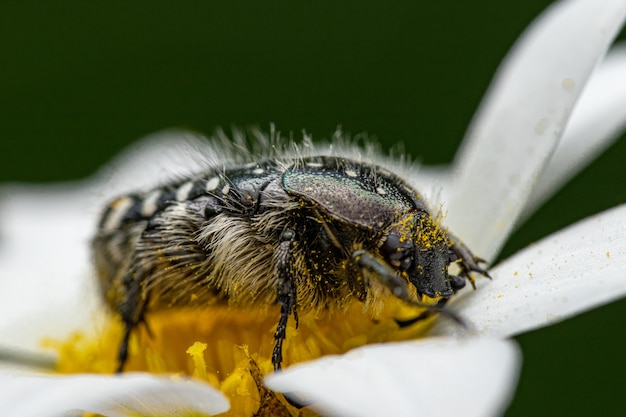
column 79, row 81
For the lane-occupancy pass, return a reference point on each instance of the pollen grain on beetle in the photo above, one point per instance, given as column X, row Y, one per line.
column 265, row 259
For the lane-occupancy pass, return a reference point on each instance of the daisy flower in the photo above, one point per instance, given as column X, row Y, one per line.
column 555, row 104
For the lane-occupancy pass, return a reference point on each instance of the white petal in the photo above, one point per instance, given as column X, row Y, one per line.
column 24, row 395
column 598, row 119
column 432, row 182
column 572, row 271
column 154, row 160
column 47, row 288
column 47, row 281
column 433, row 377
column 523, row 116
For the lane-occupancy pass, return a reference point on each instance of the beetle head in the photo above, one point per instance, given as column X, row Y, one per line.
column 417, row 247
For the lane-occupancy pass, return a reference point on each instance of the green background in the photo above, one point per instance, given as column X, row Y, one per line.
column 79, row 81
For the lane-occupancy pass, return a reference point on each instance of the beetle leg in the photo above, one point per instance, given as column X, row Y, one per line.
column 122, row 352
column 131, row 309
column 386, row 275
column 469, row 262
column 286, row 290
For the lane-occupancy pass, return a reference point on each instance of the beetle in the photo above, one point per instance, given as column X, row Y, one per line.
column 306, row 233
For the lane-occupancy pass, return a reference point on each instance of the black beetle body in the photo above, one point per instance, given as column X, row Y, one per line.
column 308, row 233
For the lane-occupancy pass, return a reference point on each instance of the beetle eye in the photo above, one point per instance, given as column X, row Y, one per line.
column 398, row 253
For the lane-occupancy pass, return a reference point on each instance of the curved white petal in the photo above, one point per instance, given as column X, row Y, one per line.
column 598, row 119
column 523, row 116
column 48, row 287
column 432, row 182
column 45, row 275
column 565, row 274
column 435, row 377
column 23, row 395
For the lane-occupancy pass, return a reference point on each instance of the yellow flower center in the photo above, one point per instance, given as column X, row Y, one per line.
column 231, row 349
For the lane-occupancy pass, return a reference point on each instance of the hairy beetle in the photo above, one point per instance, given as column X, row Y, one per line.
column 306, row 232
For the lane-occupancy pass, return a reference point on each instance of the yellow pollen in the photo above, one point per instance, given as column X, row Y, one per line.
column 196, row 351
column 232, row 348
